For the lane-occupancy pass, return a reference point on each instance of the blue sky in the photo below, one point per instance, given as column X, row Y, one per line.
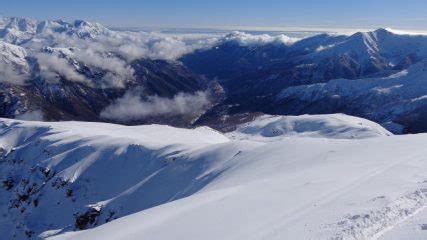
column 411, row 14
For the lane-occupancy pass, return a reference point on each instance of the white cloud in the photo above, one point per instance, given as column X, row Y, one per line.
column 132, row 107
column 246, row 39
column 53, row 67
column 9, row 75
column 118, row 71
column 36, row 115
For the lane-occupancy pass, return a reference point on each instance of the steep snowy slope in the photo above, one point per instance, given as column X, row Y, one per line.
column 327, row 176
column 67, row 175
column 14, row 67
column 291, row 188
column 17, row 30
column 73, row 175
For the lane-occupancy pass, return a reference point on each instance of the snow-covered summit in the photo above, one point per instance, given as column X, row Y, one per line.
column 20, row 30
column 13, row 54
column 17, row 30
column 14, row 67
column 338, row 126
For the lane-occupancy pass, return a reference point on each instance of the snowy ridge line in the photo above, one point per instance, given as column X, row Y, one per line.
column 374, row 224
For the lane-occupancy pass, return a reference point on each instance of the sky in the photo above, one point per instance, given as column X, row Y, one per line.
column 404, row 14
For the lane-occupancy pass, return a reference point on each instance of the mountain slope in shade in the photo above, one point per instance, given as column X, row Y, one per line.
column 392, row 101
column 253, row 75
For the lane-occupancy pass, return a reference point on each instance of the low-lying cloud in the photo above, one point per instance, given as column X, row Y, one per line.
column 35, row 115
column 112, row 53
column 53, row 67
column 10, row 75
column 132, row 107
column 245, row 39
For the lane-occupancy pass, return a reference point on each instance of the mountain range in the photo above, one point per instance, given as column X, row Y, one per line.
column 56, row 70
column 257, row 77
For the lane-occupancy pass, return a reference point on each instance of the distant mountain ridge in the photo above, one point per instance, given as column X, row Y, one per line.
column 18, row 30
column 76, row 70
column 254, row 75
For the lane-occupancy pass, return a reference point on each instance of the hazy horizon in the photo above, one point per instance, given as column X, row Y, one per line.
column 308, row 15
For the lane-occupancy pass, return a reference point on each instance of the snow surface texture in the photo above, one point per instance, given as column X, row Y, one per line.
column 318, row 177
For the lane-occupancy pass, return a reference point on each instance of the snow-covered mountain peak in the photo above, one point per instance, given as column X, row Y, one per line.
column 339, row 126
column 21, row 24
column 85, row 29
column 12, row 51
column 19, row 30
column 383, row 32
column 12, row 54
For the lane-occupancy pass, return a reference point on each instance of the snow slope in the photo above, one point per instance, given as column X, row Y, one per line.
column 331, row 126
column 414, row 228
column 52, row 173
column 331, row 179
column 291, row 188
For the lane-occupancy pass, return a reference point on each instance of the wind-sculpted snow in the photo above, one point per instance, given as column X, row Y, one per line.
column 54, row 175
column 70, row 176
column 297, row 187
